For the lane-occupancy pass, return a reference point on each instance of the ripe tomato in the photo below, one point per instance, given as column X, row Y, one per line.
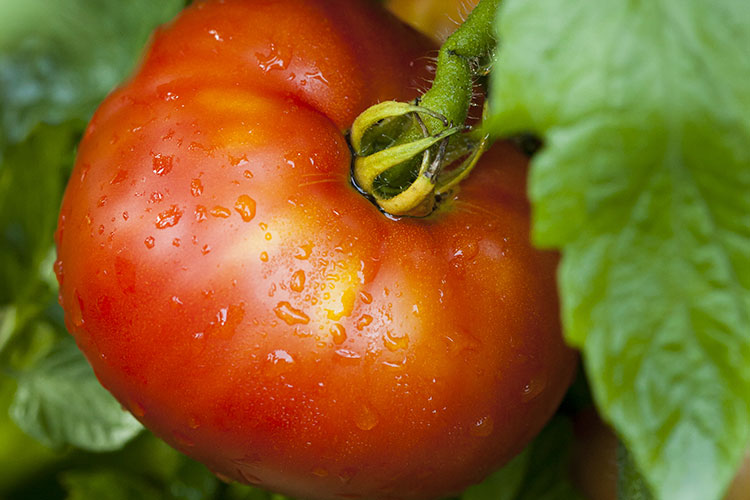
column 234, row 291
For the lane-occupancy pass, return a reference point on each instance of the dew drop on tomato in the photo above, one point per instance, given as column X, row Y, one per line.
column 297, row 283
column 169, row 217
column 338, row 333
column 76, row 310
column 364, row 321
column 533, row 389
column 220, row 212
column 136, row 409
column 161, row 164
column 196, row 187
column 366, row 419
column 245, row 206
column 182, row 440
column 482, row 427
column 290, row 315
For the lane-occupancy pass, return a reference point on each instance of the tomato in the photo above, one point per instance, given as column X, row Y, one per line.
column 436, row 18
column 239, row 296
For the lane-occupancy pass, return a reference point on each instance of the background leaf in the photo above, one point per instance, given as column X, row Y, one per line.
column 59, row 59
column 643, row 181
column 60, row 401
column 540, row 472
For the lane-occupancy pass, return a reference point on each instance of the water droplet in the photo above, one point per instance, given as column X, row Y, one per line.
column 193, row 422
column 364, row 321
column 176, row 242
column 136, row 409
column 338, row 333
column 394, row 343
column 250, row 478
column 347, row 474
column 223, row 478
column 248, row 174
column 304, row 251
column 533, row 389
column 264, row 256
column 58, row 268
column 169, row 217
column 482, row 427
column 280, row 362
column 182, row 440
column 156, row 197
column 102, row 201
column 273, row 60
column 268, row 236
column 366, row 419
column 201, row 213
column 216, row 35
column 161, row 164
column 196, row 187
column 298, row 281
column 290, row 315
column 76, row 313
column 317, row 76
column 119, row 176
column 348, row 354
column 149, row 242
column 84, row 171
column 320, row 472
column 245, row 206
column 365, row 297
column 125, row 216
column 205, row 249
column 221, row 212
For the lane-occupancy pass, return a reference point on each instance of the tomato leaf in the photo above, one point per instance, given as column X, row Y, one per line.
column 643, row 181
column 114, row 485
column 540, row 472
column 59, row 401
column 32, row 178
column 630, row 482
column 59, row 59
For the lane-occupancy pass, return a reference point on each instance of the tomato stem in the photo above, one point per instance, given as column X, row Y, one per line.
column 401, row 148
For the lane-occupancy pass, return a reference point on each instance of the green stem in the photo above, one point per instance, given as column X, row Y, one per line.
column 459, row 58
column 395, row 174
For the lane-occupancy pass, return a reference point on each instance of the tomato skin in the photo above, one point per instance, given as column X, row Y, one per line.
column 234, row 291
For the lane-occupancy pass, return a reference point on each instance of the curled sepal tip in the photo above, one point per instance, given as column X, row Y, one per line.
column 381, row 111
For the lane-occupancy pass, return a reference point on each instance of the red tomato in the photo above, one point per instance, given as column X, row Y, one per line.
column 236, row 293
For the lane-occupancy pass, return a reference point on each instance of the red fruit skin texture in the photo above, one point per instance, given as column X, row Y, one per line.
column 237, row 294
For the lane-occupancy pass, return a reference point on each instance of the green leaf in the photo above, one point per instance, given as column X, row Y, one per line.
column 32, row 178
column 643, row 181
column 59, row 401
column 59, row 59
column 112, row 485
column 236, row 491
column 504, row 484
column 540, row 472
column 630, row 482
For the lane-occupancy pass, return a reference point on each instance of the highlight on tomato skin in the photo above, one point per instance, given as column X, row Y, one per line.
column 237, row 294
